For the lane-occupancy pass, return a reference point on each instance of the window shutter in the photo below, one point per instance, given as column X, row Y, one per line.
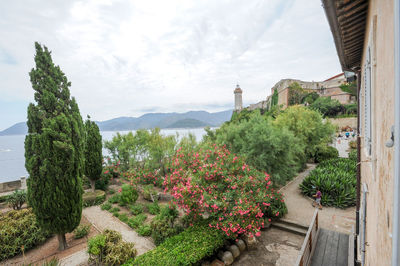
column 367, row 102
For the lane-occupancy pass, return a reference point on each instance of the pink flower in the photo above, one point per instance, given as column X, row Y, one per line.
column 258, row 233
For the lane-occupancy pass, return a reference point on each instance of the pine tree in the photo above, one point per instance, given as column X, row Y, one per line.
column 93, row 152
column 54, row 149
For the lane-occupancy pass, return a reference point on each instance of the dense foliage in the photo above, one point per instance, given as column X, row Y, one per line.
column 215, row 182
column 163, row 225
column 186, row 248
column 336, row 179
column 265, row 146
column 307, row 126
column 54, row 149
column 108, row 248
column 93, row 152
column 19, row 230
column 81, row 231
column 93, row 198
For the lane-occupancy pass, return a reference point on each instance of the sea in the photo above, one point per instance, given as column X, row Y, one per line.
column 12, row 158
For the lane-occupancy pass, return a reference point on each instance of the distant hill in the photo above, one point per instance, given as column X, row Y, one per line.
column 192, row 119
column 17, row 129
column 188, row 123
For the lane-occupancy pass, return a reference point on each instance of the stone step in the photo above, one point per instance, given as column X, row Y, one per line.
column 290, row 228
column 293, row 223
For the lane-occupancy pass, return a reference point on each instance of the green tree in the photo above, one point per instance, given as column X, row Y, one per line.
column 93, row 152
column 275, row 98
column 54, row 149
column 296, row 93
column 350, row 87
column 327, row 106
column 307, row 125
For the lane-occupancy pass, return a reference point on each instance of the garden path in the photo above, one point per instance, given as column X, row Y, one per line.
column 103, row 220
column 300, row 208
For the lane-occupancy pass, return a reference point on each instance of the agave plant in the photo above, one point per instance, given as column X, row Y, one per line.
column 336, row 179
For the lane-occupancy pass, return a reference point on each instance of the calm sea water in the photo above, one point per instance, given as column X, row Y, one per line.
column 12, row 159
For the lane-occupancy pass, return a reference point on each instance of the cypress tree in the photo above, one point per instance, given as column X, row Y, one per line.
column 93, row 152
column 54, row 149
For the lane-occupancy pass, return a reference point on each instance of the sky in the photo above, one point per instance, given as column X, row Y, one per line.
column 128, row 58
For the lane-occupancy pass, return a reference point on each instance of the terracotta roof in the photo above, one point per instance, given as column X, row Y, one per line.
column 347, row 20
column 338, row 75
column 238, row 89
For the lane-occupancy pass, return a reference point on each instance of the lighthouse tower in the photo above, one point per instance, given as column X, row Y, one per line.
column 238, row 98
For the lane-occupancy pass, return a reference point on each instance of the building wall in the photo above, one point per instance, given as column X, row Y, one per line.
column 377, row 170
column 238, row 101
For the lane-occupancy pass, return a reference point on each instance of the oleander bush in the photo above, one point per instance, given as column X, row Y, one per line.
column 108, row 248
column 93, row 198
column 19, row 229
column 336, row 179
column 186, row 248
column 215, row 182
column 17, row 199
column 81, row 231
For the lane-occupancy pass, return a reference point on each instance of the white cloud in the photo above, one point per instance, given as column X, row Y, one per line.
column 128, row 57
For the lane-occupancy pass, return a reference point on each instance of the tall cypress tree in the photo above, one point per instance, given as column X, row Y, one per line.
column 93, row 152
column 54, row 149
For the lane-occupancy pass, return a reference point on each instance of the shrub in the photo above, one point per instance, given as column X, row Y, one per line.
column 123, row 217
column 153, row 208
column 186, row 248
column 325, row 152
column 136, row 209
column 17, row 229
column 128, row 195
column 149, row 193
column 17, row 199
column 353, row 145
column 162, row 226
column 115, row 210
column 336, row 179
column 81, row 231
column 219, row 184
column 111, row 191
column 106, row 206
column 136, row 221
column 109, row 249
column 114, row 199
column 93, row 198
column 144, row 230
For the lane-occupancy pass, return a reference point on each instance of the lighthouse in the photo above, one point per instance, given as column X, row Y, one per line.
column 238, row 98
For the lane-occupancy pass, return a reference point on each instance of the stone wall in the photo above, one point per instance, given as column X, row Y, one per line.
column 13, row 185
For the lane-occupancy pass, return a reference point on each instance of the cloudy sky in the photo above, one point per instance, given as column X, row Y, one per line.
column 127, row 58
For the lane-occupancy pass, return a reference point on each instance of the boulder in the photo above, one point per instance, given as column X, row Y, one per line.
column 241, row 245
column 227, row 258
column 235, row 251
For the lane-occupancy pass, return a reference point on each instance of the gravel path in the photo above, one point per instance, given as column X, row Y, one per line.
column 103, row 220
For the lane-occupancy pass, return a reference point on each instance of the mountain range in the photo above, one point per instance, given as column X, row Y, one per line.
column 191, row 119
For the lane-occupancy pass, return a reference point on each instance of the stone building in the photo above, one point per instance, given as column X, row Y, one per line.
column 238, row 98
column 326, row 88
column 366, row 35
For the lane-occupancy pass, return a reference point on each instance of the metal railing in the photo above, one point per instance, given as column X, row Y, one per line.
column 310, row 241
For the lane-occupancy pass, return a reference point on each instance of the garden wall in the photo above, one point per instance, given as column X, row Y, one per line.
column 346, row 121
column 13, row 185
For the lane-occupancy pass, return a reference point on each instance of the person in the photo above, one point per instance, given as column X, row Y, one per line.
column 347, row 135
column 317, row 201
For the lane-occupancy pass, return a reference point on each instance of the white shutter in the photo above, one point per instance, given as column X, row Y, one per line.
column 367, row 102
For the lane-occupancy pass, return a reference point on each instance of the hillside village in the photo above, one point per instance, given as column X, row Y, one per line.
column 310, row 175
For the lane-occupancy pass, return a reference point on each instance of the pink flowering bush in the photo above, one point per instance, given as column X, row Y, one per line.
column 216, row 183
column 145, row 176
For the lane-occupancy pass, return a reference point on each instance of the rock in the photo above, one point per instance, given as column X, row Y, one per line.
column 251, row 242
column 217, row 262
column 241, row 245
column 235, row 251
column 227, row 258
column 164, row 196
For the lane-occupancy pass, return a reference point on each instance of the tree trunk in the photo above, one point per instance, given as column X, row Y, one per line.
column 93, row 184
column 62, row 242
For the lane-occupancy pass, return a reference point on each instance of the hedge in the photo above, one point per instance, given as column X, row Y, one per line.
column 93, row 198
column 17, row 229
column 187, row 248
